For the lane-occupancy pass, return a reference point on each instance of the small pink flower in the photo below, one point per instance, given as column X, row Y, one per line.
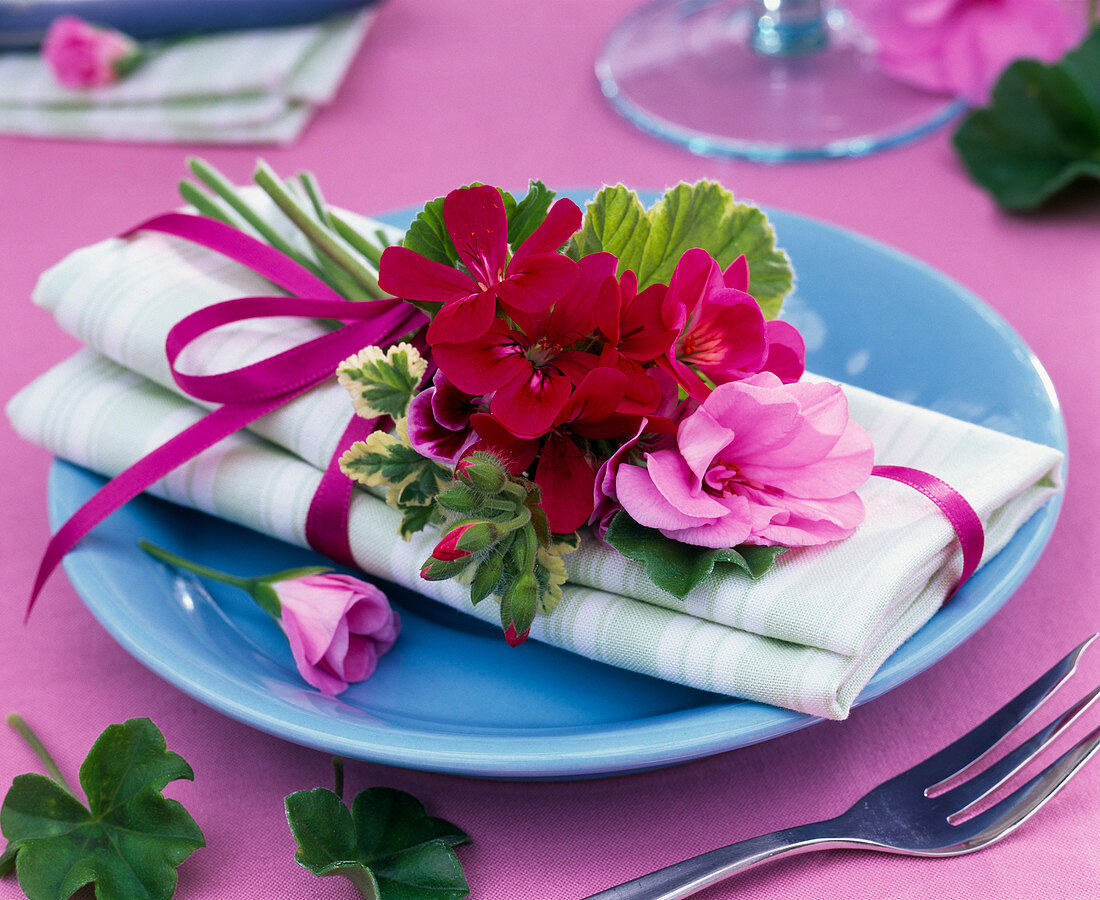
column 338, row 626
column 960, row 47
column 759, row 462
column 83, row 56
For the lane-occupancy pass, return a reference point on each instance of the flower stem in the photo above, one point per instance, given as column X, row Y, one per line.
column 17, row 722
column 179, row 562
column 338, row 776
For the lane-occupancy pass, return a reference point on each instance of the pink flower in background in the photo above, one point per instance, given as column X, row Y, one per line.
column 82, row 55
column 759, row 462
column 337, row 627
column 961, row 47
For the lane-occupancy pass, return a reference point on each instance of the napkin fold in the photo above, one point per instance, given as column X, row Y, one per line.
column 808, row 636
column 256, row 86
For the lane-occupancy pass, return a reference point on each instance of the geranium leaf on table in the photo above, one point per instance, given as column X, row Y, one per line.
column 1040, row 133
column 677, row 567
column 702, row 215
column 128, row 839
column 386, row 844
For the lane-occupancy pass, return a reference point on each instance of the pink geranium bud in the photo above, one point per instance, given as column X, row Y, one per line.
column 338, row 626
column 513, row 637
column 83, row 56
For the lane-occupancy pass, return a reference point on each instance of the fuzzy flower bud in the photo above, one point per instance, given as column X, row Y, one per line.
column 466, row 540
column 481, row 474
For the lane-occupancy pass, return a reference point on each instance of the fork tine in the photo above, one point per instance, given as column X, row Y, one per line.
column 1011, row 812
column 978, row 787
column 941, row 770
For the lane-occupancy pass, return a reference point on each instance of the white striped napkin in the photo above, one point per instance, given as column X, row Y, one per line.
column 257, row 86
column 808, row 636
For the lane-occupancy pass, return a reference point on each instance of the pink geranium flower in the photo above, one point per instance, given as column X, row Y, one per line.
column 337, row 626
column 83, row 56
column 533, row 278
column 759, row 462
column 721, row 328
column 960, row 47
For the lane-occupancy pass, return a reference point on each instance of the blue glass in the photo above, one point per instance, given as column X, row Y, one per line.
column 452, row 696
column 766, row 80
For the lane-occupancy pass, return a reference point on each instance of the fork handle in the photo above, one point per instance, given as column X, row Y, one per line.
column 684, row 878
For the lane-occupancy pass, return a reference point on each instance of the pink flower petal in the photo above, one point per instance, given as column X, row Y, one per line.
column 679, row 486
column 786, row 351
column 645, row 504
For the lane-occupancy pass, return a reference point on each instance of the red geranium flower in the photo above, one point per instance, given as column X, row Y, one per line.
column 530, row 367
column 564, row 469
column 534, row 277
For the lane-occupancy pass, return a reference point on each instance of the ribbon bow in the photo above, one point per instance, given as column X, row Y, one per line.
column 253, row 390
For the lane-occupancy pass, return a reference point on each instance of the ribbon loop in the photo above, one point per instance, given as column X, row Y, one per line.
column 964, row 520
column 253, row 390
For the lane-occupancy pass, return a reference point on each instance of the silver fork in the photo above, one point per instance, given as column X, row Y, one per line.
column 922, row 811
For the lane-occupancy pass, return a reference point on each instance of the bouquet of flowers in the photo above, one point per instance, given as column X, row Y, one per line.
column 589, row 425
column 568, row 391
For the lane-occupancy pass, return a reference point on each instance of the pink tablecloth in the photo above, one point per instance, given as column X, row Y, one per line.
column 444, row 94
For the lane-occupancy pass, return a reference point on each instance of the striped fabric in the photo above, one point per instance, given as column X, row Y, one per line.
column 808, row 636
column 256, row 86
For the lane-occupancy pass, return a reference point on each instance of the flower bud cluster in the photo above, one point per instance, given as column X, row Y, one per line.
column 496, row 540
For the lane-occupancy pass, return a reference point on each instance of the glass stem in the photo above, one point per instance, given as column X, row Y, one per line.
column 788, row 27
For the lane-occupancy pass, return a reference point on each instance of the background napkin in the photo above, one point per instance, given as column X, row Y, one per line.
column 256, row 86
column 808, row 636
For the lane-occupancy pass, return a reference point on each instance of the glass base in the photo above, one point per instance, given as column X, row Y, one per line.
column 688, row 71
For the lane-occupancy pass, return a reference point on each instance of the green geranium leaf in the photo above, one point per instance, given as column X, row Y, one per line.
column 1041, row 131
column 677, row 567
column 428, row 236
column 382, row 382
column 529, row 213
column 128, row 839
column 386, row 844
column 651, row 242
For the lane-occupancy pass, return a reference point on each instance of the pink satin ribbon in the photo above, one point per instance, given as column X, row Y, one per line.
column 954, row 506
column 251, row 391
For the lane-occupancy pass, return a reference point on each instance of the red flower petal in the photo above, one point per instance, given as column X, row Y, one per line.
column 574, row 314
column 462, row 319
column 527, row 406
column 516, row 453
column 541, row 281
column 404, row 273
column 484, row 364
column 566, row 478
column 478, row 225
column 561, row 222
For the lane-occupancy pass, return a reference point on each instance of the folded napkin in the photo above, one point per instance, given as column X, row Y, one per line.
column 807, row 636
column 257, row 86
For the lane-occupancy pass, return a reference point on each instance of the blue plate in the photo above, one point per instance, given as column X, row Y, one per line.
column 452, row 696
column 23, row 23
